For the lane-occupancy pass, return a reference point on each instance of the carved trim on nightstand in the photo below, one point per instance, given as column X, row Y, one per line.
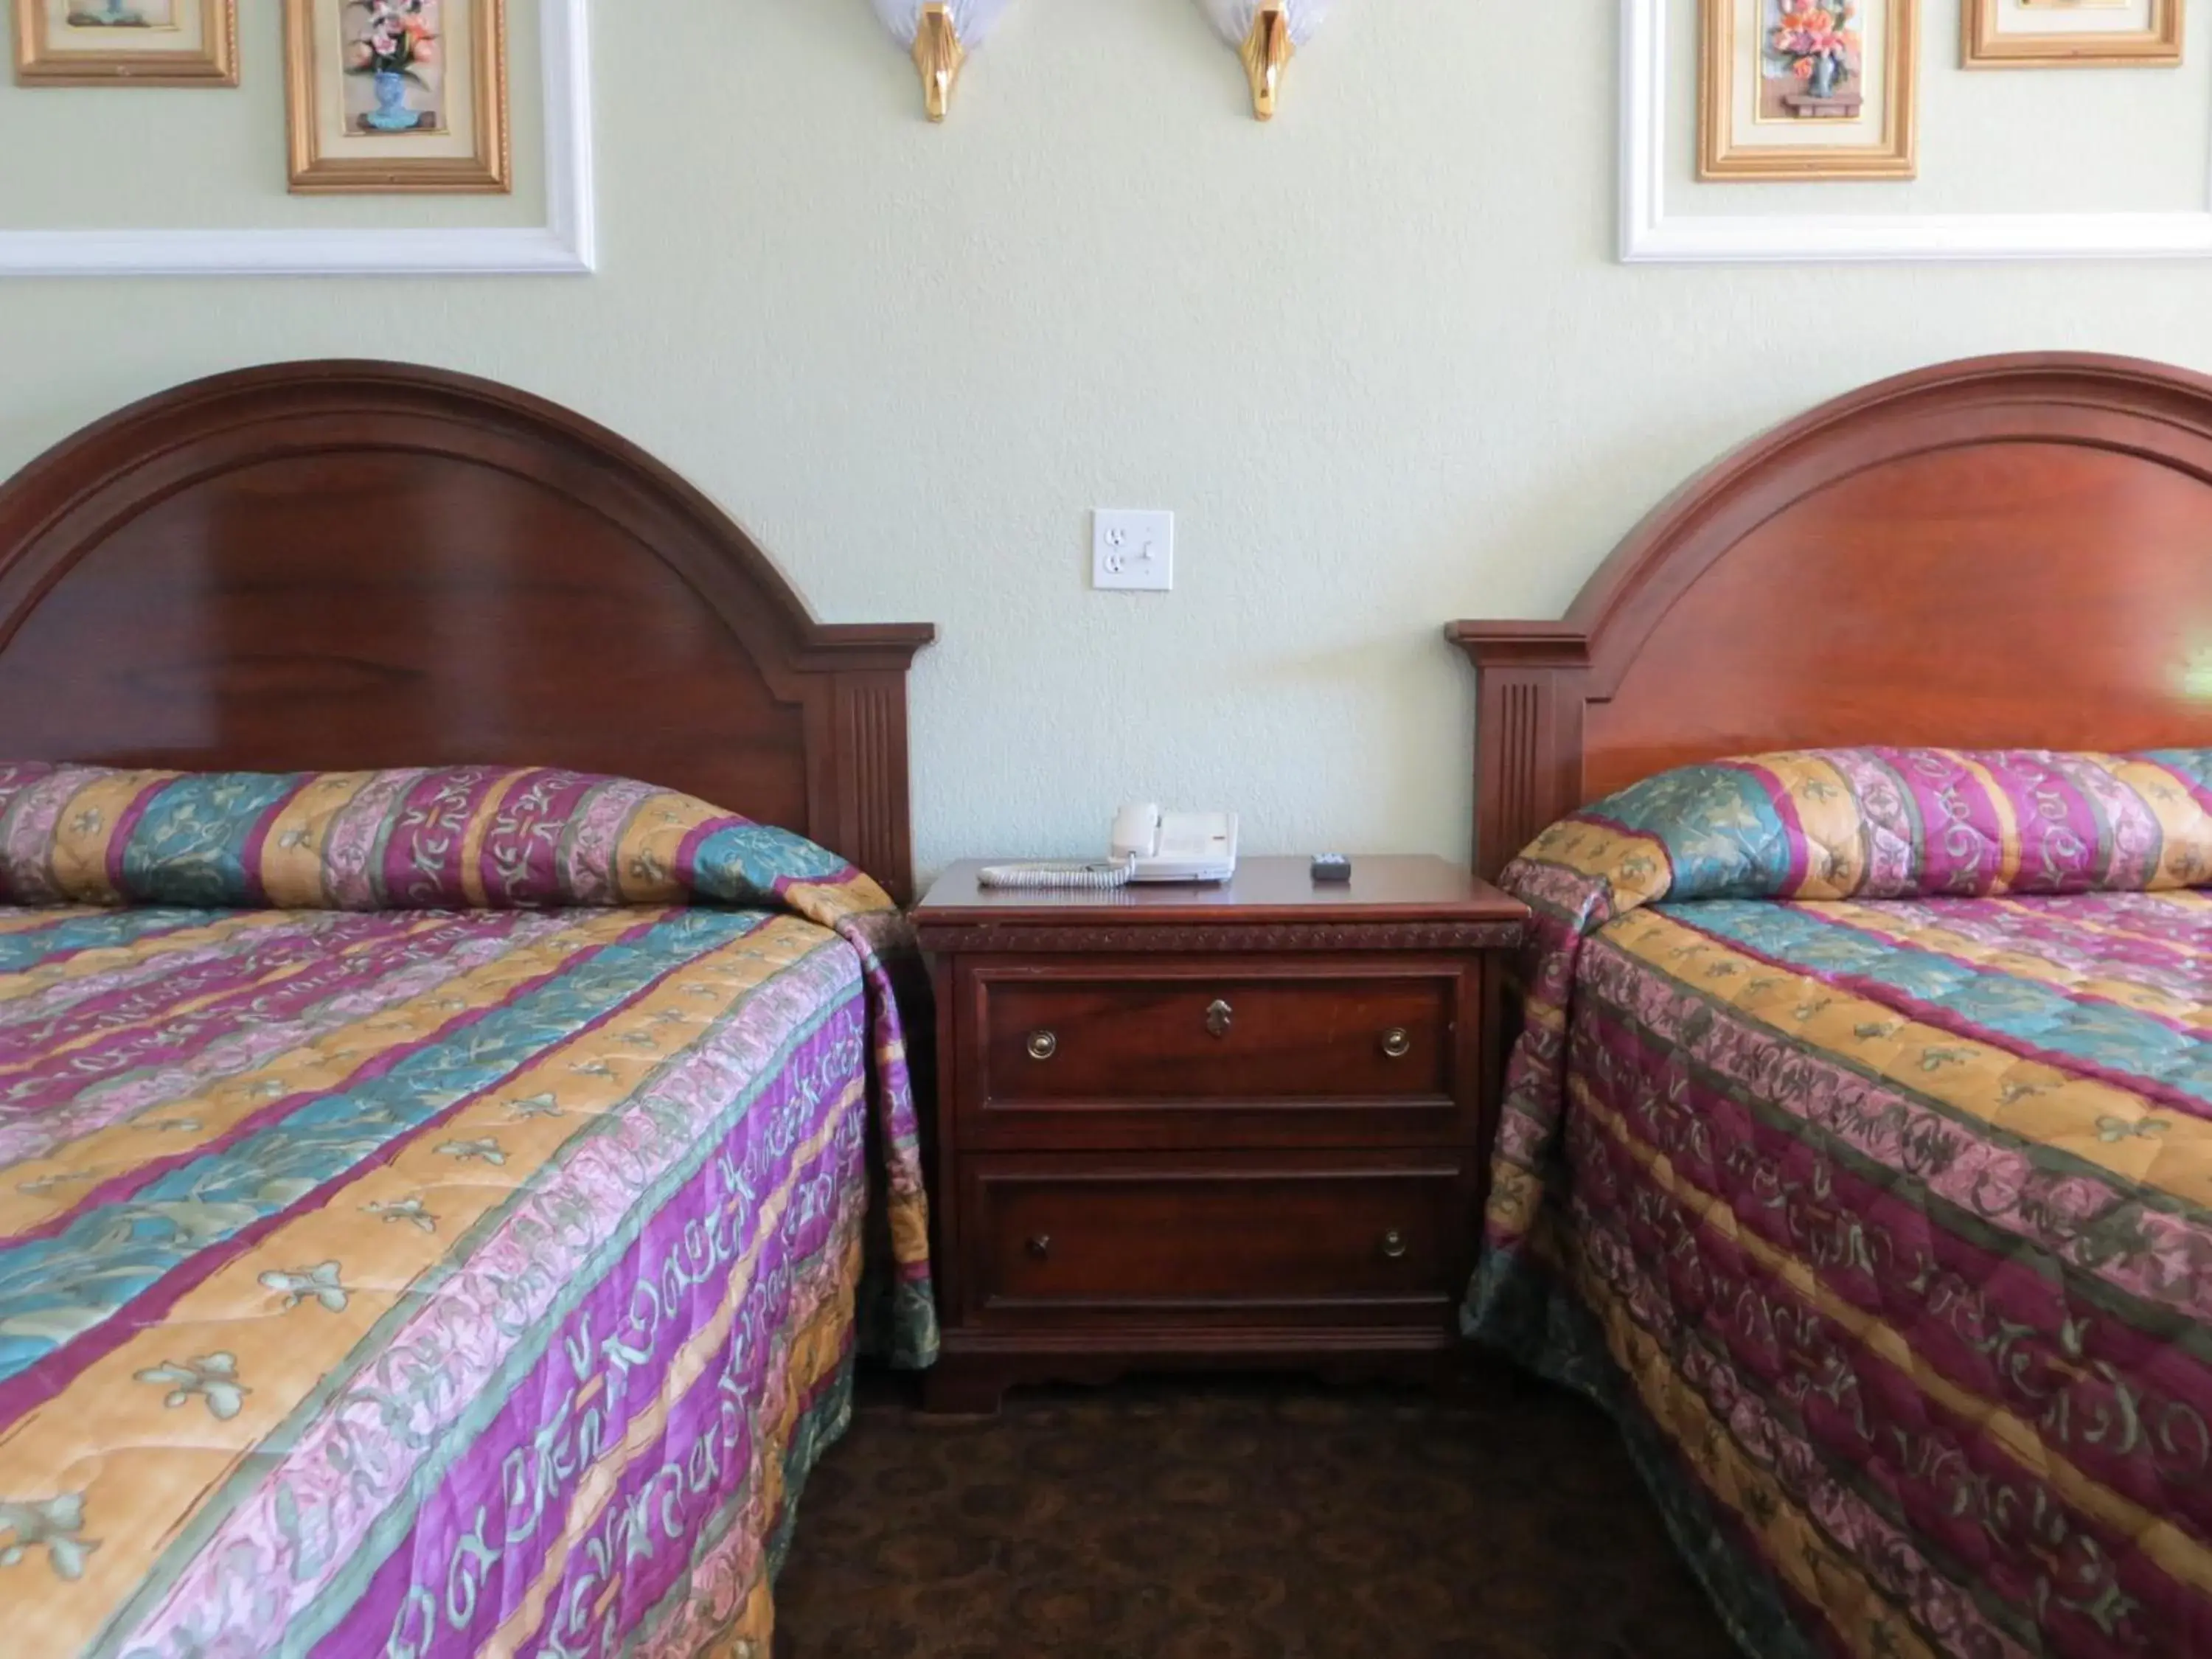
column 1246, row 939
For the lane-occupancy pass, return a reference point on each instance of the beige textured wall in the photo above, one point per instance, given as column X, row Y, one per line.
column 1377, row 357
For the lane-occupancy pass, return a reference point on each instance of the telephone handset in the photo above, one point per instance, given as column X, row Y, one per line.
column 1147, row 845
column 1175, row 845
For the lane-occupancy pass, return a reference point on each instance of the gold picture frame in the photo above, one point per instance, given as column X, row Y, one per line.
column 429, row 117
column 1989, row 44
column 1749, row 93
column 140, row 43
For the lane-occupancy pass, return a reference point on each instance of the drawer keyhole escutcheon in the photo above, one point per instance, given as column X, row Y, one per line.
column 1218, row 1016
column 1393, row 1244
column 1397, row 1043
column 1040, row 1246
column 1043, row 1045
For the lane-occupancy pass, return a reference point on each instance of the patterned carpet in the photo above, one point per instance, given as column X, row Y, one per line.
column 1188, row 1520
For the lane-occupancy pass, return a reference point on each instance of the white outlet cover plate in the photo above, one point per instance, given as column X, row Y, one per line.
column 1133, row 550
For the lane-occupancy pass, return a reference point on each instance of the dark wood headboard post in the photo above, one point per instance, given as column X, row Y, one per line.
column 1527, row 772
column 332, row 566
column 866, row 717
column 2010, row 552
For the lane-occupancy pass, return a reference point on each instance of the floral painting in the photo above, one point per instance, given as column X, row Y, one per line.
column 395, row 75
column 2074, row 34
column 123, row 14
column 1808, row 90
column 1811, row 64
column 139, row 43
column 396, row 95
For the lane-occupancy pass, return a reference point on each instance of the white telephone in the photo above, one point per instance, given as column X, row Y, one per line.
column 1175, row 845
column 1148, row 845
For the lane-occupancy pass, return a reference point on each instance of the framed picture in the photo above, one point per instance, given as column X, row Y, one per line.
column 397, row 96
column 1808, row 90
column 148, row 43
column 2054, row 33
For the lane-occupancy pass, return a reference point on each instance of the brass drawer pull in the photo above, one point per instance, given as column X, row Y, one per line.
column 1043, row 1045
column 1394, row 1245
column 1218, row 1015
column 1397, row 1043
column 1040, row 1246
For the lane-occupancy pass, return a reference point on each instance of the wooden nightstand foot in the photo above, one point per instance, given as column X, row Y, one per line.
column 954, row 1390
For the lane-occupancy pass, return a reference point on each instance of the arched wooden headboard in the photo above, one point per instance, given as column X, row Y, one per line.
column 358, row 564
column 2013, row 551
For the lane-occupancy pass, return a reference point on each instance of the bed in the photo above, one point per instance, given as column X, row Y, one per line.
column 1856, row 1149
column 448, row 1166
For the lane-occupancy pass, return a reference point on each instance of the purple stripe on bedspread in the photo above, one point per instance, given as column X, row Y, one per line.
column 423, row 853
column 522, row 848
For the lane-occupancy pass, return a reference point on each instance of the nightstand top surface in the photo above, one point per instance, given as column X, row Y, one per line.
column 1394, row 888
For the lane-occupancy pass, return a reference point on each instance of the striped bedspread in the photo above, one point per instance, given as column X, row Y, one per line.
column 1857, row 1152
column 432, row 1209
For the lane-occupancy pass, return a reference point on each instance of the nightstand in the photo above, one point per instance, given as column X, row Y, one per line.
column 1244, row 1124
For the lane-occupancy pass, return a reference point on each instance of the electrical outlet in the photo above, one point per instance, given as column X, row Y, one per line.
column 1133, row 550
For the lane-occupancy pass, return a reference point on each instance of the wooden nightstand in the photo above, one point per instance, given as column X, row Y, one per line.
column 1240, row 1125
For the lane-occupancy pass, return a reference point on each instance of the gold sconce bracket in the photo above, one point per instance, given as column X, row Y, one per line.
column 938, row 54
column 1266, row 51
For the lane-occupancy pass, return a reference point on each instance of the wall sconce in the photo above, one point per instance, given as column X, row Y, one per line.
column 940, row 33
column 1266, row 33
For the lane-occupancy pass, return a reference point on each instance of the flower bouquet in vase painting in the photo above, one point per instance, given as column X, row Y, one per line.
column 1812, row 60
column 108, row 15
column 394, row 42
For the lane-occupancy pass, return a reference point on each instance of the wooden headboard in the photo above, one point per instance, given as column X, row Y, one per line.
column 340, row 565
column 2013, row 551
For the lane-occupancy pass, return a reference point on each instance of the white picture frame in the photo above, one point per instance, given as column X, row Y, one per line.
column 567, row 244
column 1650, row 234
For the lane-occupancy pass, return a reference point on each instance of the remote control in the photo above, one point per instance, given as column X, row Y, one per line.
column 1331, row 866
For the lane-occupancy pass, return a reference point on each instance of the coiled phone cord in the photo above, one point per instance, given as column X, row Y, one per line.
column 1093, row 877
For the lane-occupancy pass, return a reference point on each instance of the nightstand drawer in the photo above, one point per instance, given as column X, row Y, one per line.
column 1255, row 1239
column 1082, row 1035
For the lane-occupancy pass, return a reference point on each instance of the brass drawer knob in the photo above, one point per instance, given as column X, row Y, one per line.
column 1218, row 1016
column 1040, row 1246
column 1394, row 1245
column 1043, row 1045
column 1397, row 1043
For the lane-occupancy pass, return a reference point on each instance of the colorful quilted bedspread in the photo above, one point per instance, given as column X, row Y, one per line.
column 432, row 1210
column 1857, row 1152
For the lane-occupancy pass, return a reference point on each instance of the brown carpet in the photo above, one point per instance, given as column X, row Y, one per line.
column 1193, row 1519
